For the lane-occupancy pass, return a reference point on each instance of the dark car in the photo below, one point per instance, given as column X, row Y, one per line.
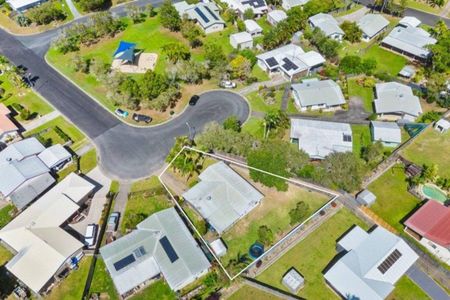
column 194, row 100
column 142, row 118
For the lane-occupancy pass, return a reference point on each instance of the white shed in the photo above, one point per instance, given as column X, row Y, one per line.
column 253, row 28
column 293, row 280
column 241, row 40
column 442, row 125
column 366, row 197
column 218, row 247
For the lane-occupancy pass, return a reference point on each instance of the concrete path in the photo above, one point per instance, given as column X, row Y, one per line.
column 41, row 120
column 73, row 9
column 354, row 16
column 83, row 150
column 427, row 284
column 98, row 202
column 285, row 98
column 121, row 200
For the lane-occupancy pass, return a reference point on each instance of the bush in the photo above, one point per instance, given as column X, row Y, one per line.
column 25, row 114
column 232, row 123
column 429, row 117
column 299, row 213
column 93, row 5
column 62, row 134
column 46, row 13
column 265, row 235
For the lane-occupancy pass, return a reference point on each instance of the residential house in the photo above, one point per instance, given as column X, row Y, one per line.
column 43, row 249
column 442, row 125
column 276, row 16
column 241, row 40
column 319, row 138
column 259, row 7
column 371, row 264
column 395, row 101
column 55, row 157
column 253, row 28
column 205, row 14
column 328, row 25
column 410, row 41
column 388, row 133
column 222, row 197
column 8, row 130
column 291, row 61
column 23, row 5
column 288, row 4
column 429, row 225
column 161, row 244
column 315, row 94
column 408, row 21
column 371, row 25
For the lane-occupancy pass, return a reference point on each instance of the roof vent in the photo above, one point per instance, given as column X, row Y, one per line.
column 9, row 159
column 401, row 95
column 208, row 198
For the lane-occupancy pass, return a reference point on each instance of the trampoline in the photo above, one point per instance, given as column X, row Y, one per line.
column 256, row 250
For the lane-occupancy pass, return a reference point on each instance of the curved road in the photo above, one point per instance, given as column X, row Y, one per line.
column 125, row 152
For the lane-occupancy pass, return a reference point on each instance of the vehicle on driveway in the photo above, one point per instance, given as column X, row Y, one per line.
column 121, row 113
column 113, row 222
column 193, row 100
column 227, row 84
column 142, row 118
column 91, row 235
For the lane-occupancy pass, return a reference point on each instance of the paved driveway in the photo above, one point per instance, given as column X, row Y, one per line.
column 427, row 284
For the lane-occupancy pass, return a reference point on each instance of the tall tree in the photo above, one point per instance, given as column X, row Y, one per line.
column 169, row 16
column 352, row 31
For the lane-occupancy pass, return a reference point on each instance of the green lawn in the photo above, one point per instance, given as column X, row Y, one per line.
column 311, row 256
column 258, row 103
column 364, row 93
column 431, row 147
column 254, row 126
column 424, row 5
column 146, row 197
column 361, row 138
column 291, row 108
column 5, row 216
column 394, row 202
column 405, row 289
column 102, row 282
column 72, row 287
column 68, row 128
column 387, row 61
column 87, row 163
column 248, row 292
column 157, row 290
column 348, row 48
column 6, row 281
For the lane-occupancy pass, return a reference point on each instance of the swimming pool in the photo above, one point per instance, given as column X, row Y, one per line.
column 433, row 192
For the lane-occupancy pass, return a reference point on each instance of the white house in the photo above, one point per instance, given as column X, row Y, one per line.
column 259, row 7
column 408, row 21
column 8, row 130
column 23, row 5
column 442, row 125
column 276, row 16
column 288, row 4
column 253, row 28
column 328, row 25
column 291, row 61
column 222, row 197
column 319, row 138
column 241, row 40
column 396, row 101
column 371, row 25
column 388, row 133
column 315, row 94
column 371, row 265
column 205, row 14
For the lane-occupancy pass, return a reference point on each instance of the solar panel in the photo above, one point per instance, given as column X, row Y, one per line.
column 289, row 65
column 127, row 260
column 212, row 13
column 272, row 62
column 389, row 261
column 201, row 14
column 347, row 138
column 167, row 246
column 255, row 3
column 139, row 252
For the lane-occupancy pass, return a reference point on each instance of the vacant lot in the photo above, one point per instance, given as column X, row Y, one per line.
column 361, row 138
column 364, row 93
column 387, row 61
column 265, row 104
column 431, row 147
column 248, row 292
column 394, row 202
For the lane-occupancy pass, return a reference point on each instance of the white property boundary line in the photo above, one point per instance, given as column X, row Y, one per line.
column 294, row 230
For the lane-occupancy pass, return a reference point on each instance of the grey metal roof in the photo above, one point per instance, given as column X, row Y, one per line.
column 411, row 40
column 357, row 273
column 130, row 267
column 222, row 196
column 319, row 138
column 366, row 197
column 293, row 3
column 371, row 24
column 21, row 150
column 31, row 189
column 206, row 14
column 394, row 97
column 241, row 37
column 386, row 132
column 293, row 280
column 252, row 27
column 318, row 92
column 326, row 23
column 277, row 15
column 54, row 155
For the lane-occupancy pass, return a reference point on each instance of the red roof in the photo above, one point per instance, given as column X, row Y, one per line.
column 432, row 221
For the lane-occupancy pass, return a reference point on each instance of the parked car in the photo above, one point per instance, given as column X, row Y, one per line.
column 91, row 235
column 113, row 222
column 121, row 113
column 227, row 84
column 193, row 100
column 142, row 118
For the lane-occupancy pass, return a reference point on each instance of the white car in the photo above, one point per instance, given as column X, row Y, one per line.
column 91, row 235
column 227, row 84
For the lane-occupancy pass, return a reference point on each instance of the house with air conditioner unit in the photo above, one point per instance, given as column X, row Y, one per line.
column 314, row 94
column 328, row 24
column 206, row 15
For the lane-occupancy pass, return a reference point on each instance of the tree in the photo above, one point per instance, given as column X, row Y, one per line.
column 135, row 13
column 373, row 153
column 166, row 99
column 265, row 235
column 274, row 119
column 46, row 13
column 215, row 56
column 248, row 14
column 345, row 170
column 232, row 123
column 150, row 10
column 187, row 161
column 152, row 85
column 353, row 64
column 250, row 55
column 240, row 67
column 176, row 51
column 230, row 15
column 298, row 213
column 93, row 5
column 352, row 31
column 430, row 172
column 191, row 71
column 169, row 16
column 440, row 58
column 191, row 32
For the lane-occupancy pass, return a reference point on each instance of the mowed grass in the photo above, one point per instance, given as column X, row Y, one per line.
column 258, row 103
column 273, row 212
column 431, row 147
column 87, row 163
column 5, row 214
column 405, row 289
column 72, row 287
column 394, row 202
column 248, row 292
column 364, row 93
column 312, row 255
column 102, row 282
column 361, row 138
column 157, row 290
column 254, row 126
column 387, row 61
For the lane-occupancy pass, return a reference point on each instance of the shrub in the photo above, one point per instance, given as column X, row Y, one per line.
column 62, row 134
column 265, row 235
column 25, row 114
column 46, row 13
column 299, row 213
